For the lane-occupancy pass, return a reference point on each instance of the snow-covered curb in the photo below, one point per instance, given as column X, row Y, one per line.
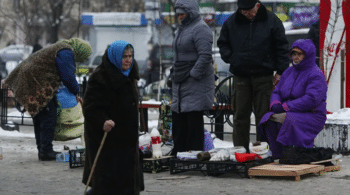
column 342, row 116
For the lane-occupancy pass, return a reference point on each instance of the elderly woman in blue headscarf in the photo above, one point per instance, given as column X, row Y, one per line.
column 111, row 105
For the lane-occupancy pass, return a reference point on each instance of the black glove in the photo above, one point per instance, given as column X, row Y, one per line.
column 277, row 108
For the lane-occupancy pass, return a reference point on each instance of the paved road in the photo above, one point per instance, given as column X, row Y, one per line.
column 21, row 173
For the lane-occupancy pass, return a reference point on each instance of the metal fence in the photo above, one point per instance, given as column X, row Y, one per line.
column 13, row 114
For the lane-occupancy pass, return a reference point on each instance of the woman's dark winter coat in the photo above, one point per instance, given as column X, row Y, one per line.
column 112, row 96
column 193, row 48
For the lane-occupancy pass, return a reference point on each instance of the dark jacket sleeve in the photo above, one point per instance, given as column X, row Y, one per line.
column 280, row 46
column 224, row 43
column 95, row 106
column 311, row 34
column 314, row 35
column 66, row 67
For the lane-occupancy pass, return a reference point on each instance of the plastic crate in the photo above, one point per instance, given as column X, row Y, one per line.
column 76, row 158
column 214, row 168
column 153, row 165
column 178, row 166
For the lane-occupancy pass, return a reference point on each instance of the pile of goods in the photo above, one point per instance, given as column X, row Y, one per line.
column 258, row 150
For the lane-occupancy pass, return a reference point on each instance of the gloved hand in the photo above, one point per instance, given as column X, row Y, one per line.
column 277, row 108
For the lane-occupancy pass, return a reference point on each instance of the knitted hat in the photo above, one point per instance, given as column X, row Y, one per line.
column 246, row 4
column 82, row 50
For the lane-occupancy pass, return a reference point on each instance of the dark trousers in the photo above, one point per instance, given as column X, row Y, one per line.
column 188, row 131
column 44, row 127
column 251, row 94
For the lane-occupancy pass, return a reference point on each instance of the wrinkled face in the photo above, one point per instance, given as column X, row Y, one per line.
column 297, row 55
column 181, row 16
column 251, row 13
column 127, row 59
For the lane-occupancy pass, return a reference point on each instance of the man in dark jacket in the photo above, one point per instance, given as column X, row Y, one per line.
column 253, row 41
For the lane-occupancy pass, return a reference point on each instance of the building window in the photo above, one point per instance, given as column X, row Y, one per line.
column 86, row 3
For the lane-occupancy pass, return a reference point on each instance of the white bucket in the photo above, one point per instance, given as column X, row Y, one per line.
column 263, row 148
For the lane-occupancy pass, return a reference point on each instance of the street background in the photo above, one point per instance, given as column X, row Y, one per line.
column 22, row 173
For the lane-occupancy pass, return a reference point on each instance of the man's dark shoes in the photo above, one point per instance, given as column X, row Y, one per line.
column 48, row 156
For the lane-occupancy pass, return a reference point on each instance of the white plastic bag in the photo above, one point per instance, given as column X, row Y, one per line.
column 191, row 155
column 145, row 143
column 221, row 155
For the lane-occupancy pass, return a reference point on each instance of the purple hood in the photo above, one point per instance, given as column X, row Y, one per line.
column 310, row 53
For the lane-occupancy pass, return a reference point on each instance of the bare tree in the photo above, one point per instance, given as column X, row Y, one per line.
column 55, row 18
column 58, row 13
column 34, row 17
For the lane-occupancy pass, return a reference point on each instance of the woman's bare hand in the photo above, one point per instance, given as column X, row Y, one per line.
column 109, row 124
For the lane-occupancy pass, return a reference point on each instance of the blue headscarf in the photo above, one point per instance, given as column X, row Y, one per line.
column 115, row 55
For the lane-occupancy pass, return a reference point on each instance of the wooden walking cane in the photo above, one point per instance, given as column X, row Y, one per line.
column 95, row 161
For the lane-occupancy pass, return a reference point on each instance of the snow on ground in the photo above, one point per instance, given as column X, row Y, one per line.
column 153, row 113
column 16, row 113
column 14, row 134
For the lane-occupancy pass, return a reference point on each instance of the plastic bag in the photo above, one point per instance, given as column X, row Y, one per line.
column 208, row 141
column 65, row 98
column 221, row 155
column 145, row 143
column 191, row 155
column 70, row 124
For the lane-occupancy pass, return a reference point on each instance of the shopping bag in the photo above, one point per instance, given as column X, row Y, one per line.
column 208, row 141
column 65, row 98
column 70, row 124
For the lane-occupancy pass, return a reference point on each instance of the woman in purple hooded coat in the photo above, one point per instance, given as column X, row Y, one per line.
column 298, row 104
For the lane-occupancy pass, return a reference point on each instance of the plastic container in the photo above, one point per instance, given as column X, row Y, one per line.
column 76, row 158
column 62, row 157
column 156, row 144
column 263, row 148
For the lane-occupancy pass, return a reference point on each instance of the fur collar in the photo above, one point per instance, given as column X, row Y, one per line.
column 260, row 16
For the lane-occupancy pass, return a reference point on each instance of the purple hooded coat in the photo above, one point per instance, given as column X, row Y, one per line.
column 302, row 91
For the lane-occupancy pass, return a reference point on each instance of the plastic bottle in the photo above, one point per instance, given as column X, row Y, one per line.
column 62, row 157
column 156, row 143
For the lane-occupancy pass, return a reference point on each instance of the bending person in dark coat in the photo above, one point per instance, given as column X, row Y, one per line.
column 35, row 82
column 298, row 104
column 111, row 104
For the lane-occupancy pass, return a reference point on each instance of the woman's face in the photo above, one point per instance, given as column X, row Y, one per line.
column 181, row 16
column 297, row 55
column 127, row 59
